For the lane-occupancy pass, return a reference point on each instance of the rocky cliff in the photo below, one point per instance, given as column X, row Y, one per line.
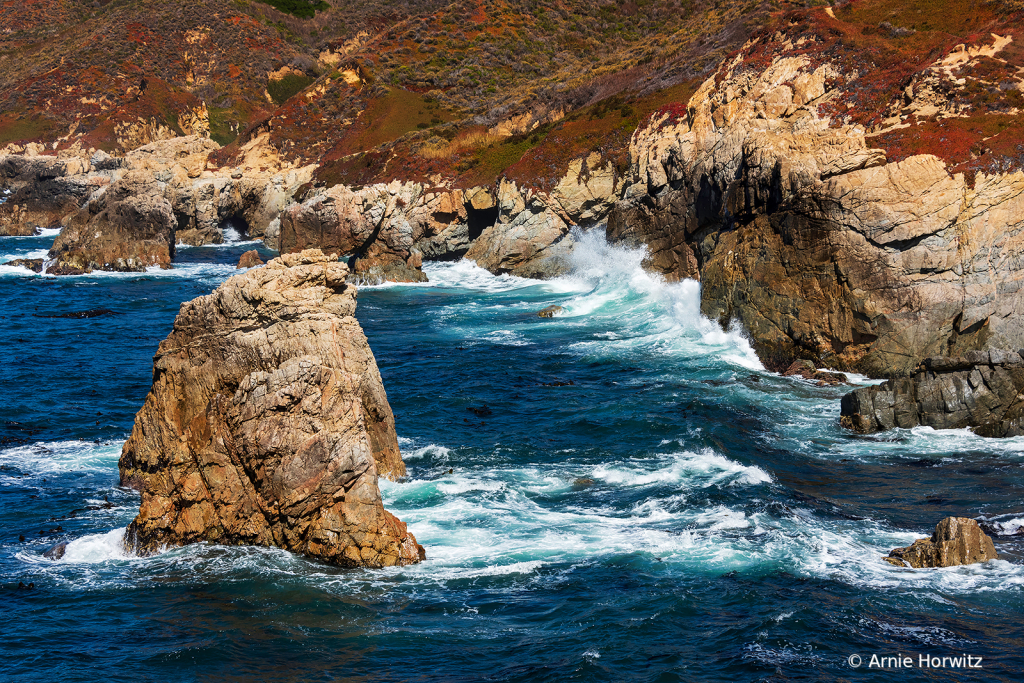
column 981, row 390
column 267, row 424
column 812, row 238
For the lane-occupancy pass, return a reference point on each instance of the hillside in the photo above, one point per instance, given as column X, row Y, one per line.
column 472, row 90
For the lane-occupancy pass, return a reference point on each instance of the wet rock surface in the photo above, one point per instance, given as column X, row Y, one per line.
column 981, row 390
column 956, row 541
column 268, row 424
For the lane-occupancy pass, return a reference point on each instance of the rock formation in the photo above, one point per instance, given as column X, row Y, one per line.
column 390, row 229
column 127, row 226
column 127, row 213
column 249, row 259
column 43, row 189
column 981, row 390
column 956, row 541
column 267, row 424
column 800, row 230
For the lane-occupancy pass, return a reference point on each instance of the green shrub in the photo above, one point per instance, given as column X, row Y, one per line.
column 304, row 9
column 289, row 86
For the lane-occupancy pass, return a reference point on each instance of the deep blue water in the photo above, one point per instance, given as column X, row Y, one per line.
column 729, row 530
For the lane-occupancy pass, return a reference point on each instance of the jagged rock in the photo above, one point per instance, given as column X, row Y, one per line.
column 528, row 239
column 44, row 190
column 550, row 311
column 33, row 264
column 370, row 224
column 128, row 226
column 267, row 423
column 956, row 541
column 806, row 370
column 981, row 390
column 810, row 239
column 249, row 259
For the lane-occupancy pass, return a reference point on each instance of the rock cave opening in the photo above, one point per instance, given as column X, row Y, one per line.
column 479, row 220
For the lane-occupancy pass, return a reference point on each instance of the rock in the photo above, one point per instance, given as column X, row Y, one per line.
column 33, row 264
column 57, row 551
column 945, row 393
column 267, row 424
column 44, row 190
column 806, row 370
column 91, row 313
column 528, row 239
column 582, row 483
column 249, row 259
column 956, row 541
column 550, row 311
column 127, row 226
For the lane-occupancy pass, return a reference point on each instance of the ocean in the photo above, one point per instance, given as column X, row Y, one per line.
column 618, row 493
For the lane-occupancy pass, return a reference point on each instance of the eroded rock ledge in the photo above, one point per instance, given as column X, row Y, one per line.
column 981, row 390
column 267, row 424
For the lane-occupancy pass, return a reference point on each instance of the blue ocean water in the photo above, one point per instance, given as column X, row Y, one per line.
column 632, row 498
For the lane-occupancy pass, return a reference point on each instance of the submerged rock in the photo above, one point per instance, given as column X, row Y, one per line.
column 268, row 424
column 249, row 259
column 956, row 541
column 57, row 551
column 550, row 311
column 980, row 390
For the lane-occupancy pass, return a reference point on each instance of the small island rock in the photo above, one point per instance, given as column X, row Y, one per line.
column 267, row 424
column 956, row 541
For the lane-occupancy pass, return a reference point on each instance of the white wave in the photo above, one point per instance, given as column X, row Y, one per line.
column 96, row 548
column 63, row 456
column 437, row 453
column 703, row 469
column 645, row 313
column 48, row 232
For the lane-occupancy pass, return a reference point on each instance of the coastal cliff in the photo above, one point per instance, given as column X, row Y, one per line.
column 811, row 237
column 267, row 424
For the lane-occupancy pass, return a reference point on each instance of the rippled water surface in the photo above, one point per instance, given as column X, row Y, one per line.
column 618, row 493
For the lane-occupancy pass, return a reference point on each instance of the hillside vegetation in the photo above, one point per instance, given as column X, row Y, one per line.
column 471, row 90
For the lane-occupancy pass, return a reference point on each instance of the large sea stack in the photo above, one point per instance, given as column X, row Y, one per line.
column 267, row 424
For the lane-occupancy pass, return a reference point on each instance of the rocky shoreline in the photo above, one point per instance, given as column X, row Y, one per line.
column 981, row 390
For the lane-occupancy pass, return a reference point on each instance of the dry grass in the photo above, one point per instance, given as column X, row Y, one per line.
column 465, row 142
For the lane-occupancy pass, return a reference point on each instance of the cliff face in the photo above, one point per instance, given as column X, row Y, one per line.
column 980, row 390
column 267, row 424
column 803, row 232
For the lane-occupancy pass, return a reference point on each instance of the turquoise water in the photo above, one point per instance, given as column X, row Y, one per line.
column 634, row 498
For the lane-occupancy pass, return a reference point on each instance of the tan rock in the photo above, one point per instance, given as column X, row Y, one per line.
column 267, row 424
column 249, row 259
column 956, row 541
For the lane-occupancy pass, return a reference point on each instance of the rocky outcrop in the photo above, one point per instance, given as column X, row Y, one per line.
column 91, row 196
column 981, row 390
column 390, row 229
column 956, row 541
column 528, row 238
column 802, row 232
column 268, row 424
column 128, row 226
column 43, row 189
column 249, row 259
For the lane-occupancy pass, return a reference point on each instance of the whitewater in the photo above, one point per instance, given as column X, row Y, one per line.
column 640, row 500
